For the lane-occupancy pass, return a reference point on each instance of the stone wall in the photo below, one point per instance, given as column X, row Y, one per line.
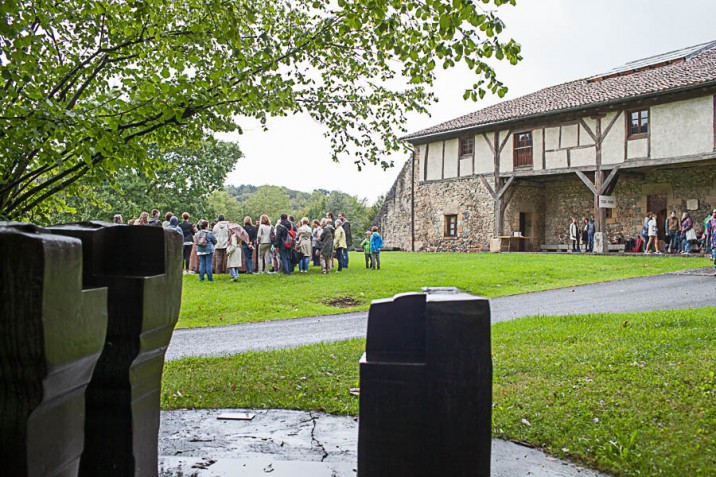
column 465, row 197
column 564, row 199
column 469, row 200
column 394, row 217
column 528, row 200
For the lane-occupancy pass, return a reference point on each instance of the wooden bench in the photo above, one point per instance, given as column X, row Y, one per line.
column 563, row 247
column 554, row 247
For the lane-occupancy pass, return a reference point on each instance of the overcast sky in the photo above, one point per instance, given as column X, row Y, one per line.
column 562, row 40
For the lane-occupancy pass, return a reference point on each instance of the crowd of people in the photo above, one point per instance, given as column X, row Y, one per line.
column 681, row 235
column 225, row 247
column 581, row 235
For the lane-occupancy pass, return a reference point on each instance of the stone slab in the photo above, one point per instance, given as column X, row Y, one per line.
column 281, row 443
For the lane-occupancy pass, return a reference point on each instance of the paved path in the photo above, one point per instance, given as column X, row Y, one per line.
column 689, row 289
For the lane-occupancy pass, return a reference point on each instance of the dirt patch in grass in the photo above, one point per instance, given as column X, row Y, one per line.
column 342, row 302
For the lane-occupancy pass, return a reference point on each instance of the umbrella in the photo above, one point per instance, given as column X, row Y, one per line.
column 240, row 232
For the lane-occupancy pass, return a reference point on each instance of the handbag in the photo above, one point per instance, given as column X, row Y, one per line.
column 691, row 234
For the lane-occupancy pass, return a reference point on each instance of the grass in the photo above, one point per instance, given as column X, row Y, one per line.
column 630, row 394
column 274, row 297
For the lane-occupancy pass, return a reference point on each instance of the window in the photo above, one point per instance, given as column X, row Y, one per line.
column 451, row 225
column 638, row 125
column 523, row 149
column 467, row 146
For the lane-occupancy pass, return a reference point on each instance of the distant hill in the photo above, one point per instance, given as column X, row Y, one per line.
column 274, row 200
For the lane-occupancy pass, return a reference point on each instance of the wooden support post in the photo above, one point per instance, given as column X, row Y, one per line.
column 498, row 211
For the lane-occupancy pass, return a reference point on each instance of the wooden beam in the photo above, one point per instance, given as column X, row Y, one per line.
column 504, row 142
column 589, row 130
column 609, row 179
column 508, row 196
column 609, row 127
column 610, row 189
column 487, row 140
column 586, row 181
column 504, row 188
column 487, row 186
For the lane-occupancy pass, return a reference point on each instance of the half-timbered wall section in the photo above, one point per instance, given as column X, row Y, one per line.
column 529, row 164
column 675, row 131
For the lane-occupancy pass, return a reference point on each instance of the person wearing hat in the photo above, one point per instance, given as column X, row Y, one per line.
column 118, row 219
column 710, row 231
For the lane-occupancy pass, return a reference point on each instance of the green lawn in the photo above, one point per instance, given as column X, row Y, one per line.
column 630, row 394
column 272, row 297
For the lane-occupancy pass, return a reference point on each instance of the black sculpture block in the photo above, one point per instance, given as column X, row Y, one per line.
column 141, row 268
column 51, row 335
column 426, row 387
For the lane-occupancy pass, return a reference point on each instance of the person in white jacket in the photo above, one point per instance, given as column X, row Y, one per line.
column 221, row 232
column 233, row 255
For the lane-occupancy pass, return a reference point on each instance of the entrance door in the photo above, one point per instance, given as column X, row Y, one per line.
column 525, row 228
column 657, row 204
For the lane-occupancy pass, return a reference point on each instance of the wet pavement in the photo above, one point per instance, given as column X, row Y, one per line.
column 280, row 443
column 687, row 289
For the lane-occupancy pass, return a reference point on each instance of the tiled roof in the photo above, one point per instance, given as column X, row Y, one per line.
column 675, row 71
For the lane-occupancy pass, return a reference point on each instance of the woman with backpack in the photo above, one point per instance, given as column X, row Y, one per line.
column 304, row 245
column 204, row 240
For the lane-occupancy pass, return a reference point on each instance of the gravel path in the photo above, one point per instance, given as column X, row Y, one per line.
column 687, row 289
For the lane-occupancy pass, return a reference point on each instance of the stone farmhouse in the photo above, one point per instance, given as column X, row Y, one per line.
column 638, row 138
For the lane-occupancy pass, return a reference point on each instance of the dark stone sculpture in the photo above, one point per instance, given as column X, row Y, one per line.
column 51, row 335
column 426, row 387
column 141, row 268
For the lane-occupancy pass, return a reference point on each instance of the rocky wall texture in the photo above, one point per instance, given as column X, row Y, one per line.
column 469, row 200
column 393, row 219
column 564, row 199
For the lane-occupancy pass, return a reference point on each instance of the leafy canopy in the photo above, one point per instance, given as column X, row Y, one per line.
column 183, row 182
column 87, row 84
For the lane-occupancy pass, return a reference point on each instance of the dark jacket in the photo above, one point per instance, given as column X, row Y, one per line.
column 327, row 241
column 347, row 229
column 282, row 229
column 251, row 231
column 188, row 231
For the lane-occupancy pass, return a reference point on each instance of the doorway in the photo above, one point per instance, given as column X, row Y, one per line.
column 657, row 204
column 525, row 228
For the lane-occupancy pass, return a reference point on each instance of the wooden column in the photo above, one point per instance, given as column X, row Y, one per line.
column 600, row 214
column 498, row 209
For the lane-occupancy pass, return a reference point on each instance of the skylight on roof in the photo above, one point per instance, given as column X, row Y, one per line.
column 655, row 61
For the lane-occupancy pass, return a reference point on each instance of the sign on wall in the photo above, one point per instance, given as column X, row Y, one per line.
column 607, row 202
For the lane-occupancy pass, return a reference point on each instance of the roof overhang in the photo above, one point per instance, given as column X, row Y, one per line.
column 582, row 110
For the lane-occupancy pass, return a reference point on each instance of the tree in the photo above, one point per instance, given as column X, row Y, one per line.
column 87, row 84
column 220, row 202
column 183, row 181
column 270, row 200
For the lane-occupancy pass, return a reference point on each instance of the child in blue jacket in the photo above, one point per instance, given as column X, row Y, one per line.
column 376, row 243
